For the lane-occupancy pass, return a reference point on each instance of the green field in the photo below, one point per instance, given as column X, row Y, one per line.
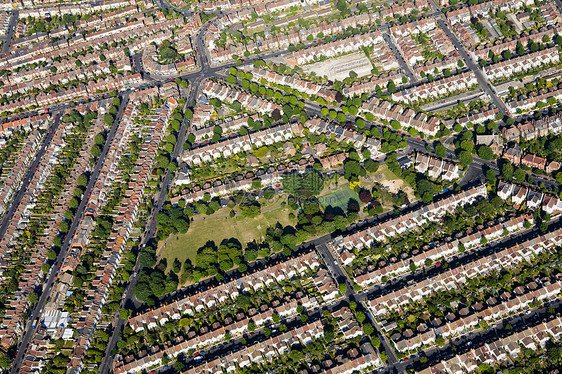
column 339, row 198
column 218, row 227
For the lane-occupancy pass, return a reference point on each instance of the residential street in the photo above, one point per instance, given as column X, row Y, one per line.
column 403, row 65
column 482, row 80
column 207, row 69
column 11, row 30
column 29, row 332
column 29, row 174
column 128, row 298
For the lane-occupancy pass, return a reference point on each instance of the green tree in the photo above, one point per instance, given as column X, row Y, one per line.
column 95, row 151
column 519, row 175
column 507, row 171
column 147, row 259
column 296, row 355
column 45, row 268
column 179, row 366
column 440, row 150
column 343, row 288
column 32, row 298
column 108, row 119
column 243, row 302
column 51, row 254
column 5, row 361
column 82, row 180
column 485, row 153
column 63, row 227
column 99, row 139
column 467, row 145
column 391, row 87
column 371, row 165
column 490, row 177
column 124, row 313
column 329, row 333
column 368, row 329
column 251, row 326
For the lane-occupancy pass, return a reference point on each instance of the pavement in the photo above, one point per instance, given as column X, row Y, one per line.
column 334, row 266
column 150, row 232
column 481, row 165
column 477, row 339
column 450, row 102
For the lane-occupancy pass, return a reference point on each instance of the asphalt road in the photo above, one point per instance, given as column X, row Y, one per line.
column 482, row 80
column 11, row 31
column 29, row 174
column 456, row 261
column 29, row 332
column 257, row 336
column 195, row 77
column 482, row 165
column 56, row 108
column 399, row 58
column 128, row 299
column 446, row 351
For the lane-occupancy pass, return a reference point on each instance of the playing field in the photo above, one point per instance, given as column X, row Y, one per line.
column 339, row 199
column 220, row 226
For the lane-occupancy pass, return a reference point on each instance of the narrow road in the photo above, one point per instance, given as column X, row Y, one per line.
column 405, row 67
column 482, row 80
column 106, row 365
column 11, row 30
column 29, row 173
column 28, row 331
column 334, row 266
column 195, row 78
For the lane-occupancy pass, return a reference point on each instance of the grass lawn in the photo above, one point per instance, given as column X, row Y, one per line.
column 220, row 226
column 339, row 198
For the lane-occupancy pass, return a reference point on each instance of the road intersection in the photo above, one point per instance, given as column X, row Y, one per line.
column 205, row 70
